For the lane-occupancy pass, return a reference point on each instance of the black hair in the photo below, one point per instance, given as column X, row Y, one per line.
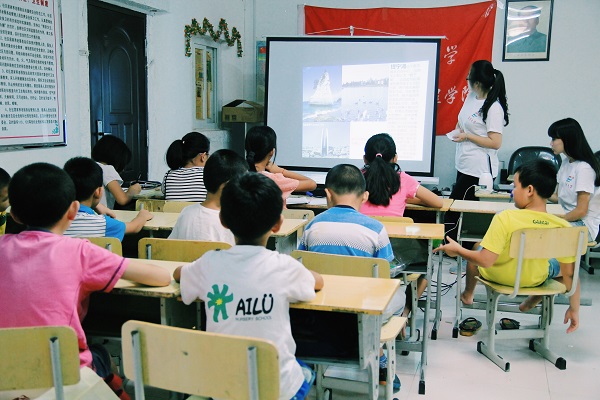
column 539, row 173
column 182, row 151
column 86, row 175
column 492, row 80
column 576, row 145
column 112, row 151
column 40, row 194
column 221, row 166
column 4, row 178
column 260, row 140
column 381, row 175
column 251, row 204
column 345, row 179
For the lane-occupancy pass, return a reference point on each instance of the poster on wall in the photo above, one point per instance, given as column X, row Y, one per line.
column 527, row 27
column 199, row 73
column 32, row 106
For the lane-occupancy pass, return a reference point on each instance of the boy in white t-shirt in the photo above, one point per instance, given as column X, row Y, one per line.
column 201, row 221
column 247, row 289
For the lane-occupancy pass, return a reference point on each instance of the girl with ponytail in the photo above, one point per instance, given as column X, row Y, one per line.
column 186, row 158
column 478, row 133
column 261, row 146
column 389, row 188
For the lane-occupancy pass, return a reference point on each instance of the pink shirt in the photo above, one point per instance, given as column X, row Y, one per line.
column 287, row 185
column 46, row 279
column 408, row 190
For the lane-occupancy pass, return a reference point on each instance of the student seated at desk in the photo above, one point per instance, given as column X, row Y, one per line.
column 247, row 289
column 113, row 155
column 345, row 231
column 87, row 177
column 534, row 184
column 186, row 157
column 4, row 204
column 46, row 278
column 390, row 189
column 201, row 221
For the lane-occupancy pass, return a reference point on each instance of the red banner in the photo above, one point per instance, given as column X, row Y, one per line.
column 469, row 32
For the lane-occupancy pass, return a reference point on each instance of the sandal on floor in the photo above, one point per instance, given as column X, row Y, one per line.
column 507, row 323
column 469, row 326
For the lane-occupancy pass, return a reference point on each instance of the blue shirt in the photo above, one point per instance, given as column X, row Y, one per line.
column 343, row 230
column 89, row 224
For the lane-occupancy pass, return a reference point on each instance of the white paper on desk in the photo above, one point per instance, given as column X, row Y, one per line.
column 297, row 200
column 318, row 201
column 453, row 134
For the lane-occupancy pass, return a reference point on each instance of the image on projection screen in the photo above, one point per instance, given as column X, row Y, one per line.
column 344, row 105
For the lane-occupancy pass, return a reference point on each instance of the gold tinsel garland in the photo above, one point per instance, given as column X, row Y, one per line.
column 195, row 29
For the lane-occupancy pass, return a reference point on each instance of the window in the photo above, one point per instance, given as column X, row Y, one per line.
column 205, row 83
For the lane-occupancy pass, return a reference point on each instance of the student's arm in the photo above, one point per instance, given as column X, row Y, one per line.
column 426, row 197
column 121, row 196
column 136, row 224
column 103, row 210
column 304, row 182
column 318, row 280
column 554, row 197
column 572, row 313
column 146, row 274
column 177, row 274
column 483, row 258
column 581, row 209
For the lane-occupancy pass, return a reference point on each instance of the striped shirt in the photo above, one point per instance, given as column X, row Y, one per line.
column 185, row 184
column 89, row 224
column 343, row 230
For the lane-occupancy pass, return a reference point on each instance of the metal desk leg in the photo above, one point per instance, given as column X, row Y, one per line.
column 438, row 298
column 369, row 333
column 458, row 282
column 426, row 317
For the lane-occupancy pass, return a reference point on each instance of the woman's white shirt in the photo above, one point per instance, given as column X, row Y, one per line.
column 470, row 158
column 579, row 176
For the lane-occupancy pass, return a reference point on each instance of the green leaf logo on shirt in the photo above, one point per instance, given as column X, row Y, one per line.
column 219, row 300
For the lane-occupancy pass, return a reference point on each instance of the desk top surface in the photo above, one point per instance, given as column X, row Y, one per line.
column 320, row 203
column 400, row 230
column 289, row 226
column 492, row 207
column 161, row 220
column 352, row 295
column 482, row 194
column 127, row 287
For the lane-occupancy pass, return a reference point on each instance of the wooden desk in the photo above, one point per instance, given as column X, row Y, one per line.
column 155, row 193
column 286, row 239
column 427, row 232
column 474, row 221
column 367, row 298
column 160, row 221
column 485, row 195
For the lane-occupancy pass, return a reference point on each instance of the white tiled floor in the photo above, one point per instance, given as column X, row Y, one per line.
column 456, row 370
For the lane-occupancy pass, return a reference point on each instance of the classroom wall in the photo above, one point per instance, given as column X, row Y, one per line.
column 170, row 78
column 539, row 92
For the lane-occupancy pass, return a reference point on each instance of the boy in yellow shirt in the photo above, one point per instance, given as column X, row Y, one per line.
column 534, row 184
column 4, row 180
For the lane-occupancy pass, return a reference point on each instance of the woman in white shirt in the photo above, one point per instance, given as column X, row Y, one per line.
column 478, row 133
column 578, row 177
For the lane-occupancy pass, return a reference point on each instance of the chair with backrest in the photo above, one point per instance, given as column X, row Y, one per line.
column 533, row 244
column 152, row 205
column 176, row 250
column 199, row 363
column 528, row 153
column 367, row 267
column 176, row 206
column 109, row 243
column 46, row 357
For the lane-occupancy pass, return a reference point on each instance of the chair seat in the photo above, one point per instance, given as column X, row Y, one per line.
column 391, row 329
column 547, row 288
